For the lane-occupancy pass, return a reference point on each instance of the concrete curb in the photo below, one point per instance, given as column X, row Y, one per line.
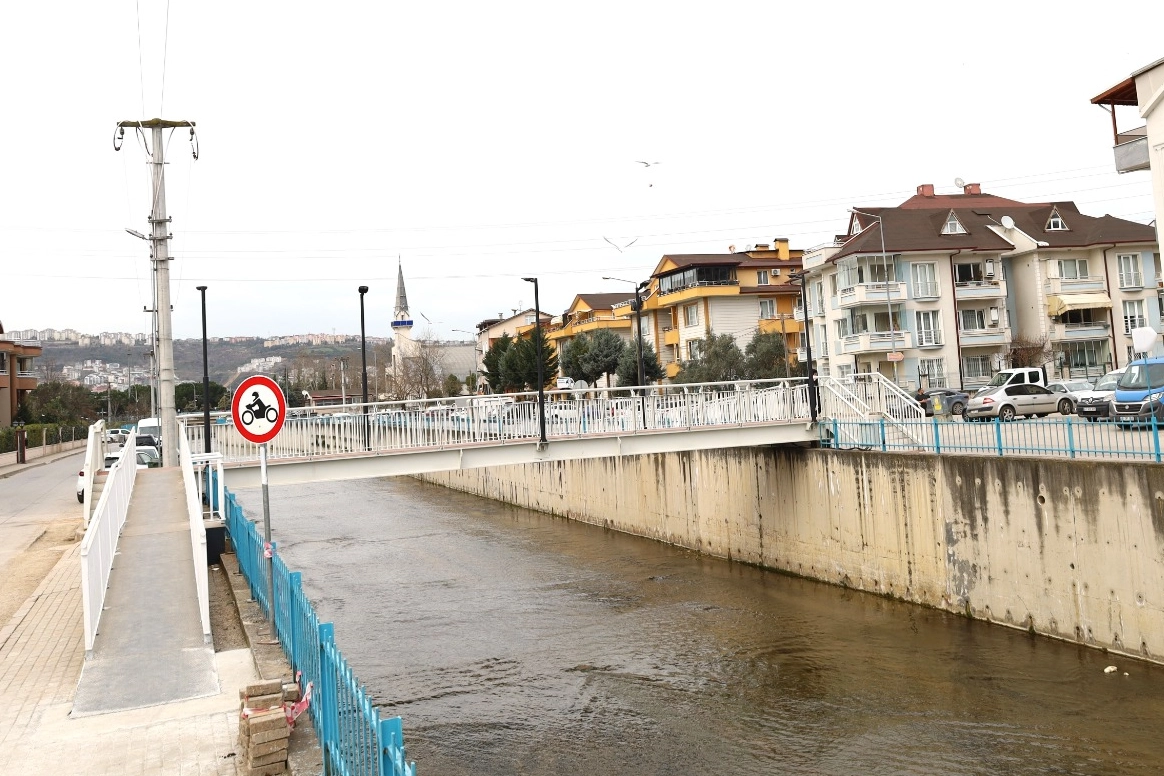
column 16, row 468
column 304, row 755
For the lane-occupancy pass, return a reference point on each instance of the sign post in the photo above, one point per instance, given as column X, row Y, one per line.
column 259, row 410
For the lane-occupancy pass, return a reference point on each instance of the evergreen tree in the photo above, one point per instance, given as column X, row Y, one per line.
column 604, row 350
column 573, row 353
column 492, row 361
column 720, row 359
column 519, row 365
column 453, row 385
column 765, row 357
column 628, row 365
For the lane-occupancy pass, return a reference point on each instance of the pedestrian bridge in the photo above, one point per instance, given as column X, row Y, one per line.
column 353, row 441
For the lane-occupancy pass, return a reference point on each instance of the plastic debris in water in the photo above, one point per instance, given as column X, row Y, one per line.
column 1110, row 670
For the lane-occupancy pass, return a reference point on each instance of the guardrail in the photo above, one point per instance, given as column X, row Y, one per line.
column 94, row 460
column 352, row 735
column 100, row 542
column 197, row 536
column 1068, row 437
column 511, row 418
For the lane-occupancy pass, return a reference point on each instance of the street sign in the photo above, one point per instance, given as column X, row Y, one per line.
column 897, row 355
column 259, row 409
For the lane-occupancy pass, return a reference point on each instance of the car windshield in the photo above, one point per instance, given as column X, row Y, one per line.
column 1079, row 385
column 1108, row 382
column 1002, row 378
column 1140, row 377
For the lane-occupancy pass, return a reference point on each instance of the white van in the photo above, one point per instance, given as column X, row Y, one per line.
column 1034, row 375
column 151, row 426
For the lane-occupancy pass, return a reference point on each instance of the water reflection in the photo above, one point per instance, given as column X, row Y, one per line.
column 514, row 642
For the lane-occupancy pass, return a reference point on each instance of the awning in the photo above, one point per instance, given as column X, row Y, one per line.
column 1057, row 305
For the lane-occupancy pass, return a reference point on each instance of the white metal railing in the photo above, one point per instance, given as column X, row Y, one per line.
column 882, row 396
column 401, row 427
column 94, row 460
column 926, row 337
column 26, row 373
column 197, row 535
column 923, row 289
column 100, row 542
column 1131, row 280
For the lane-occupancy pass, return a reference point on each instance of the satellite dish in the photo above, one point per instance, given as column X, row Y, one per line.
column 959, row 182
column 581, row 385
column 1007, row 222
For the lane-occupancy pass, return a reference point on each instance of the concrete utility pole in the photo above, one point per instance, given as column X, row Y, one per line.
column 160, row 255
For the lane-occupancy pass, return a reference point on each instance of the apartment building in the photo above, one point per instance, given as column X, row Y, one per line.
column 941, row 290
column 591, row 312
column 736, row 293
column 16, row 374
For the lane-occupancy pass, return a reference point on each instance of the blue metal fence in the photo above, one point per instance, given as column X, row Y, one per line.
column 1067, row 437
column 352, row 735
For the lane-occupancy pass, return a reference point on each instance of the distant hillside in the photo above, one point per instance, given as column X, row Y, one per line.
column 224, row 357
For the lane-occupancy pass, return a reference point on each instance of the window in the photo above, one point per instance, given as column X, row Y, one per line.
column 843, row 328
column 953, row 225
column 1085, row 355
column 691, row 315
column 882, row 321
column 1056, row 223
column 767, row 308
column 971, row 320
column 929, row 330
column 697, row 276
column 1130, row 270
column 694, row 349
column 976, row 367
column 1134, row 315
column 762, row 277
column 1086, row 317
column 646, row 325
column 1072, row 269
column 844, row 370
column 968, row 273
column 833, row 285
column 925, row 281
column 931, row 372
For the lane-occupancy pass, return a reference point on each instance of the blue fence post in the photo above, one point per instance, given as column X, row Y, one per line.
column 836, row 431
column 881, row 429
column 1070, row 438
column 327, row 693
column 998, row 434
column 294, row 581
column 391, row 740
column 1155, row 432
column 937, row 437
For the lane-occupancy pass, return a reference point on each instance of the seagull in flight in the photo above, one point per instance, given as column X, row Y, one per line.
column 648, row 164
column 618, row 247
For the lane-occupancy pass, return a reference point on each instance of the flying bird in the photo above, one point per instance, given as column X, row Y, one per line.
column 648, row 164
column 618, row 247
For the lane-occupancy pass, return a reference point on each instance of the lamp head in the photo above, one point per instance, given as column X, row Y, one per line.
column 363, row 289
column 201, row 288
column 530, row 280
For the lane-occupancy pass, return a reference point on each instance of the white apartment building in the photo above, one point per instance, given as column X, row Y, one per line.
column 937, row 291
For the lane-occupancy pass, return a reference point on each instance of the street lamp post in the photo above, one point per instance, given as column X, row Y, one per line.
column 812, row 395
column 888, row 293
column 205, row 377
column 364, row 362
column 637, row 306
column 541, row 365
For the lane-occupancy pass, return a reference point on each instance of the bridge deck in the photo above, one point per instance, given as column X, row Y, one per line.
column 150, row 648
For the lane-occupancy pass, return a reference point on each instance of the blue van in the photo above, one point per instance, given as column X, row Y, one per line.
column 1140, row 393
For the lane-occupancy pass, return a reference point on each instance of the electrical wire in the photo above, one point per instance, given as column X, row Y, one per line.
column 165, row 56
column 140, row 67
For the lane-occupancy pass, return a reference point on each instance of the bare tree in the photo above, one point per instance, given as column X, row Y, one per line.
column 418, row 373
column 1028, row 352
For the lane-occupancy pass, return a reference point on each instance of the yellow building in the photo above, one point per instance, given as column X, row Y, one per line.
column 738, row 293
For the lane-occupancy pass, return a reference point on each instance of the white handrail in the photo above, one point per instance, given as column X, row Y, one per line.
column 197, row 536
column 94, row 460
column 100, row 542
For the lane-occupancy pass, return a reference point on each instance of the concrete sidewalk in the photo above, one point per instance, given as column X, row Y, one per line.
column 7, row 470
column 41, row 655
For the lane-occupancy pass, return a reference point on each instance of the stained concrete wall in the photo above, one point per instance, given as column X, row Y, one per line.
column 1067, row 549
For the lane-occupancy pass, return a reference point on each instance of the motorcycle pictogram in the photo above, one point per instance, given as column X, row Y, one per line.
column 257, row 408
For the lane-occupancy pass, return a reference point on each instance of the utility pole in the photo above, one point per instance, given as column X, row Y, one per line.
column 160, row 255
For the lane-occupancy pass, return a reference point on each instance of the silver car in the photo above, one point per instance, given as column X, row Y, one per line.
column 1007, row 402
column 1070, row 392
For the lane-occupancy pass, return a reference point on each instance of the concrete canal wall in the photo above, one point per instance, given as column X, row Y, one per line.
column 1066, row 549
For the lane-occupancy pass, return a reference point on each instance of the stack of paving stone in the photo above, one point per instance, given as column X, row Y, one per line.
column 263, row 729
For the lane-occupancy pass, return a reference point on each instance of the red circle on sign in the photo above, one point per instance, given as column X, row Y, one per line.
column 236, row 408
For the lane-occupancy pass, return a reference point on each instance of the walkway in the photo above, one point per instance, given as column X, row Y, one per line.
column 41, row 656
column 149, row 647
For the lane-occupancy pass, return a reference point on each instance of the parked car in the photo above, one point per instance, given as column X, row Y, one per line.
column 562, row 411
column 953, row 399
column 1017, row 376
column 1069, row 392
column 1007, row 402
column 1139, row 393
column 146, row 440
column 150, row 457
column 1096, row 403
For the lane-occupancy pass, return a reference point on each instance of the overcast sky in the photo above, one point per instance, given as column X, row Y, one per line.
column 483, row 142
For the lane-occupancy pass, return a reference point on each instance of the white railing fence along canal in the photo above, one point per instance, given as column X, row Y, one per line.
column 100, row 543
column 197, row 535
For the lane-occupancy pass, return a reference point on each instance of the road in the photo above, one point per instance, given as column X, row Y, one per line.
column 33, row 499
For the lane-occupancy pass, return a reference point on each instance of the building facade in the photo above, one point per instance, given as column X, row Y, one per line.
column 16, row 374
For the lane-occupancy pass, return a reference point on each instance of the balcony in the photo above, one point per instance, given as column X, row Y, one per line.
column 671, row 369
column 1131, row 281
column 930, row 339
column 798, row 313
column 872, row 293
column 782, row 323
column 1071, row 332
column 1060, row 286
column 995, row 335
column 670, row 336
column 1131, row 153
column 979, row 289
column 878, row 342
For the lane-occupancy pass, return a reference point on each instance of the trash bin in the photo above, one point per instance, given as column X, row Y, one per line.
column 941, row 407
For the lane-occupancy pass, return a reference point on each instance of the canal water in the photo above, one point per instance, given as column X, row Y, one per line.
column 515, row 642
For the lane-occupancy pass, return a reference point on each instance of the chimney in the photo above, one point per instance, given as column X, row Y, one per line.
column 972, row 188
column 925, row 190
column 731, row 249
column 781, row 248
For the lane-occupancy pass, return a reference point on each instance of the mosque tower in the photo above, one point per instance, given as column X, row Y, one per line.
column 401, row 322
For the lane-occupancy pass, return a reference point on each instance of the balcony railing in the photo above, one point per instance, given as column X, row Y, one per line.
column 1079, row 330
column 929, row 339
column 979, row 289
column 926, row 289
column 798, row 313
column 1131, row 280
column 1132, row 155
column 993, row 335
column 1075, row 285
column 26, row 373
column 871, row 293
column 878, row 341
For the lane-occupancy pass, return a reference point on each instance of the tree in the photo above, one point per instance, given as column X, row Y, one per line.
column 603, row 353
column 519, row 366
column 573, row 354
column 765, row 357
column 492, row 361
column 188, row 396
column 60, row 402
column 471, row 382
column 720, row 359
column 453, row 385
column 628, row 366
column 1028, row 352
column 418, row 374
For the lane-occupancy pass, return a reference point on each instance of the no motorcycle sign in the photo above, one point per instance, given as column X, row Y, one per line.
column 259, row 409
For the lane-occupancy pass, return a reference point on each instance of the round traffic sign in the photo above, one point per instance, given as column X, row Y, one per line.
column 259, row 409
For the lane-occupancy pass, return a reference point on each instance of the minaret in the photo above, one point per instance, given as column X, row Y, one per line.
column 401, row 322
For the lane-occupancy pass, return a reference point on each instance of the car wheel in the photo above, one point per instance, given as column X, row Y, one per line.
column 1065, row 407
column 957, row 408
column 1040, row 414
column 1006, row 413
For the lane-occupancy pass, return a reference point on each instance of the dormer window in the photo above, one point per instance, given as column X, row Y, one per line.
column 1056, row 223
column 856, row 228
column 953, row 225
